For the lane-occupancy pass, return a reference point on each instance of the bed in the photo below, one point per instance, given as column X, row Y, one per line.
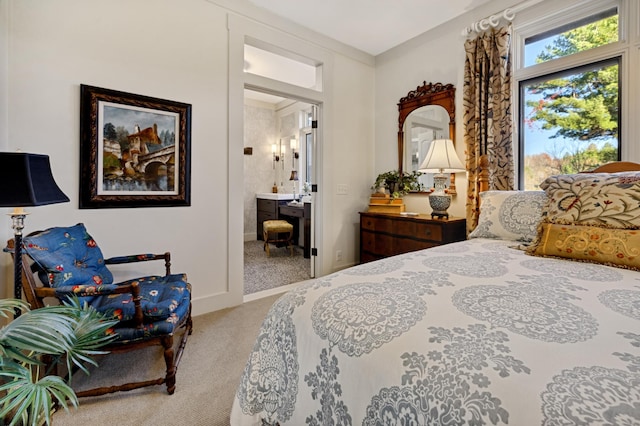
column 535, row 319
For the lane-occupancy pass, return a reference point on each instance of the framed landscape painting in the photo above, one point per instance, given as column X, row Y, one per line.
column 134, row 150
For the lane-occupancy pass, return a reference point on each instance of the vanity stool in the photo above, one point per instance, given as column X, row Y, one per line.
column 272, row 230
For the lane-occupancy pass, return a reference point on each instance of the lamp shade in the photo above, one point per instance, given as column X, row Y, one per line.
column 441, row 158
column 294, row 175
column 26, row 180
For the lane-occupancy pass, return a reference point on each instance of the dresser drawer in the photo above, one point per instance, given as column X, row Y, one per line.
column 264, row 216
column 267, row 205
column 378, row 224
column 383, row 234
column 292, row 211
column 418, row 230
column 428, row 231
column 368, row 241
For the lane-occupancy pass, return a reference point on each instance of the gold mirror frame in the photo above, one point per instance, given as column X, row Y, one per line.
column 427, row 94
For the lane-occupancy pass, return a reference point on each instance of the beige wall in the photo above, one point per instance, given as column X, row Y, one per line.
column 176, row 50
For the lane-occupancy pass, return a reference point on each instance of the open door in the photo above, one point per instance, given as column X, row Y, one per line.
column 285, row 129
column 312, row 147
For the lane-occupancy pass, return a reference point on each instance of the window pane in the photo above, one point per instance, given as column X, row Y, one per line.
column 596, row 30
column 569, row 122
column 272, row 65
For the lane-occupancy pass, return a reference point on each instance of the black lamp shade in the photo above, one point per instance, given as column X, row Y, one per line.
column 26, row 180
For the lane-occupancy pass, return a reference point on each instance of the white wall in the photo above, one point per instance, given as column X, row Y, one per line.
column 169, row 49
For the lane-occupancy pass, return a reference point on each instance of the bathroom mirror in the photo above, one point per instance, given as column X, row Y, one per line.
column 425, row 114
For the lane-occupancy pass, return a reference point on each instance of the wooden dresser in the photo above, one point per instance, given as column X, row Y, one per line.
column 387, row 234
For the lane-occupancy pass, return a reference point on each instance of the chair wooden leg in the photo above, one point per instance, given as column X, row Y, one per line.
column 266, row 242
column 167, row 344
column 290, row 242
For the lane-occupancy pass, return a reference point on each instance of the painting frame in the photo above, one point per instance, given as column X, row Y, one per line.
column 116, row 165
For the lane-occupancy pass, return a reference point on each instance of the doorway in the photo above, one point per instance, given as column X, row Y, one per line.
column 279, row 141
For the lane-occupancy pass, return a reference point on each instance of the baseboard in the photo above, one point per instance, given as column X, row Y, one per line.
column 272, row 291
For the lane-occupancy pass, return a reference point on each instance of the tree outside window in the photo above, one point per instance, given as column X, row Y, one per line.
column 570, row 119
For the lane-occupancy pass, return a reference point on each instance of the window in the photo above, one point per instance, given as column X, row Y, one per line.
column 593, row 31
column 569, row 111
column 292, row 70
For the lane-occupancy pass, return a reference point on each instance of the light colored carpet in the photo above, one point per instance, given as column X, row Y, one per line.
column 264, row 273
column 207, row 377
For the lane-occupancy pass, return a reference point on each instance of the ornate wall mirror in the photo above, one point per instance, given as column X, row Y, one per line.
column 425, row 114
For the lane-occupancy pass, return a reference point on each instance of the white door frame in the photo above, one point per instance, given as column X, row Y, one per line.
column 241, row 30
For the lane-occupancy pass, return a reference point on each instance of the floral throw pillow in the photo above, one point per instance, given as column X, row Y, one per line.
column 592, row 217
column 610, row 200
column 69, row 256
column 613, row 247
column 509, row 215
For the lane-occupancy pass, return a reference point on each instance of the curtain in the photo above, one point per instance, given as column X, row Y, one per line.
column 487, row 117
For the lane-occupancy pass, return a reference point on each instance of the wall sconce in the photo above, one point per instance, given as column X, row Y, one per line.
column 275, row 157
column 276, row 154
column 294, row 154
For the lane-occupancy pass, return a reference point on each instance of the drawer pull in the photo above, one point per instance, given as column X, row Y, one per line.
column 427, row 232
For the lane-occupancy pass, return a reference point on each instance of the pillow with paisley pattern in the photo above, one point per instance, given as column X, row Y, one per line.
column 509, row 215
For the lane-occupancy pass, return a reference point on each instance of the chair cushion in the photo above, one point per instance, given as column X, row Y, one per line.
column 277, row 226
column 160, row 297
column 181, row 309
column 68, row 256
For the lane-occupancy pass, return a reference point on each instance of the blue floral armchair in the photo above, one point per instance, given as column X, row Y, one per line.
column 64, row 261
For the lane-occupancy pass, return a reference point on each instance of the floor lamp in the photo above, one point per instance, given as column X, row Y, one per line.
column 25, row 180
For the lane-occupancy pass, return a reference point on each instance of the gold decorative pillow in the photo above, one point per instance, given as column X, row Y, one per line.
column 610, row 200
column 615, row 247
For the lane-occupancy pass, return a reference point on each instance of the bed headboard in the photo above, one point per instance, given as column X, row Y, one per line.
column 616, row 166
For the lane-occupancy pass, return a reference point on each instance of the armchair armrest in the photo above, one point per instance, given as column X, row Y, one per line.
column 116, row 260
column 84, row 290
column 89, row 290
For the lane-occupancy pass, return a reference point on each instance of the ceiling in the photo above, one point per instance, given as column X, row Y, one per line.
column 373, row 26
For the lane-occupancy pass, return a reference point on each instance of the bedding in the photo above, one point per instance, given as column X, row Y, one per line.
column 510, row 215
column 475, row 332
column 591, row 217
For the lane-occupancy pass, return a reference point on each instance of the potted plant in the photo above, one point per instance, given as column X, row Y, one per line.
column 397, row 184
column 71, row 333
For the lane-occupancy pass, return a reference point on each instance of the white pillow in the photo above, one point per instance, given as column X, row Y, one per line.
column 510, row 215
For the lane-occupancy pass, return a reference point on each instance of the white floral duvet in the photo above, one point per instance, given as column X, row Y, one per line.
column 470, row 333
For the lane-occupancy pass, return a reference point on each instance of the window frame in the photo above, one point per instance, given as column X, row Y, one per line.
column 538, row 20
column 616, row 60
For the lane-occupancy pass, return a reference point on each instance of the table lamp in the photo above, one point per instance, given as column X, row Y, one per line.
column 294, row 178
column 25, row 180
column 441, row 158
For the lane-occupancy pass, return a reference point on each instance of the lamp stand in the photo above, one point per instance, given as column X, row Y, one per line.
column 17, row 217
column 439, row 200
